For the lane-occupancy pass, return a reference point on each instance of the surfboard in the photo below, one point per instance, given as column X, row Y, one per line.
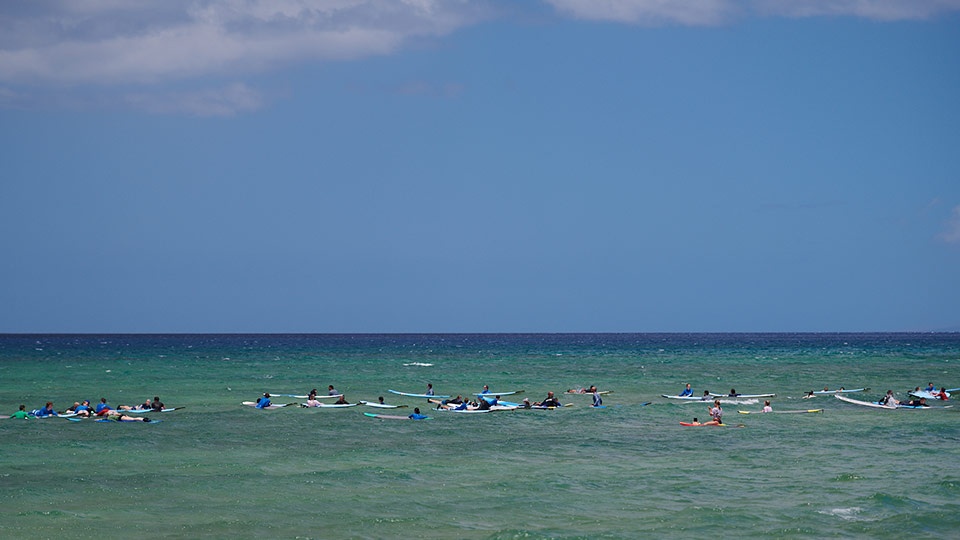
column 392, row 416
column 409, row 394
column 828, row 392
column 872, row 404
column 783, row 412
column 271, row 406
column 601, row 392
column 492, row 394
column 141, row 411
column 925, row 394
column 335, row 405
column 381, row 405
column 742, row 396
column 305, row 396
column 688, row 398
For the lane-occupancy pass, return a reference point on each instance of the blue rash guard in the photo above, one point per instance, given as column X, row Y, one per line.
column 686, row 392
column 46, row 411
column 416, row 416
column 596, row 400
column 263, row 403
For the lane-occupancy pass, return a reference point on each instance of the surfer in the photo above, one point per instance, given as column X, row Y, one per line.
column 767, row 407
column 687, row 391
column 597, row 401
column 21, row 414
column 120, row 417
column 716, row 413
column 550, row 401
column 429, row 391
column 47, row 410
column 416, row 414
column 263, row 402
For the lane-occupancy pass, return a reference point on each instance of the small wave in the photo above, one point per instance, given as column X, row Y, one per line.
column 848, row 514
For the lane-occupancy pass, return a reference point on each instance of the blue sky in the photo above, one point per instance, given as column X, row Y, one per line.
column 493, row 166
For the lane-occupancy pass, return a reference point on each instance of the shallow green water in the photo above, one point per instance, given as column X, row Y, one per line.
column 218, row 469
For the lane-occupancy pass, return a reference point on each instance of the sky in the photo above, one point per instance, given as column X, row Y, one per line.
column 376, row 166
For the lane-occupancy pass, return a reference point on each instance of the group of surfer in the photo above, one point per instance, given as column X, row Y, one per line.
column 83, row 409
column 484, row 403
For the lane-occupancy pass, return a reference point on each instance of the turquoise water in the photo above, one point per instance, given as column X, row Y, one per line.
column 218, row 469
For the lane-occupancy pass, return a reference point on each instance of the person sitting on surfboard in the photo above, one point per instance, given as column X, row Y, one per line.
column 597, row 401
column 889, row 400
column 716, row 412
column 342, row 400
column 550, row 401
column 263, row 402
column 930, row 388
column 767, row 407
column 687, row 392
column 733, row 392
column 157, row 404
column 429, row 391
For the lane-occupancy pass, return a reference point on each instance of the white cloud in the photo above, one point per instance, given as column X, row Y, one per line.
column 951, row 234
column 106, row 42
column 882, row 10
column 713, row 12
column 649, row 12
column 68, row 51
column 228, row 101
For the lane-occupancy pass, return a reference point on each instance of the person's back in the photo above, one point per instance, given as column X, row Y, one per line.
column 21, row 414
column 263, row 402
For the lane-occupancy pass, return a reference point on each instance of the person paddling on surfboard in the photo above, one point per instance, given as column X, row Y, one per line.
column 416, row 414
column 263, row 402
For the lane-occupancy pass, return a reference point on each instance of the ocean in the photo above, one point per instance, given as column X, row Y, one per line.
column 217, row 469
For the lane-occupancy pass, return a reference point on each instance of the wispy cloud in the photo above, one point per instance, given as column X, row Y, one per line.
column 951, row 232
column 649, row 12
column 58, row 51
column 714, row 12
column 227, row 101
column 882, row 10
